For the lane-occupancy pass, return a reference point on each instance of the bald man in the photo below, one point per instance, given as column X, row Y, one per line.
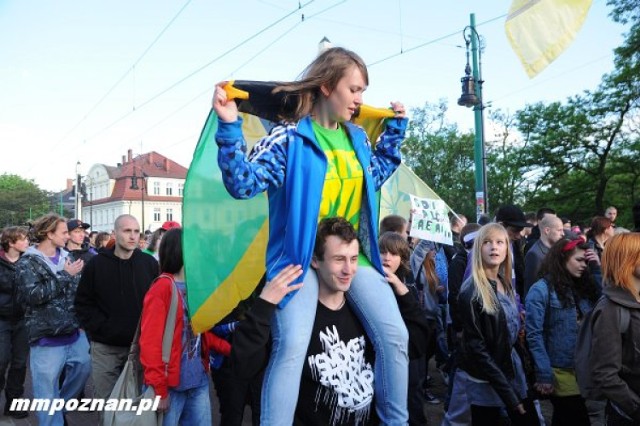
column 551, row 231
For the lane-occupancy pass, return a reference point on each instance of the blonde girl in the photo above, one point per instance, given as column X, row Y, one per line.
column 490, row 372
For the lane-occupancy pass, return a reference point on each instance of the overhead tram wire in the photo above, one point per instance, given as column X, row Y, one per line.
column 137, row 61
column 167, row 117
column 325, row 9
column 55, row 145
column 209, row 89
column 367, row 28
column 457, row 33
column 117, row 83
column 539, row 82
column 208, row 64
column 453, row 34
column 200, row 69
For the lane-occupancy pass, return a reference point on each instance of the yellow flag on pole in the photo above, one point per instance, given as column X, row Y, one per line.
column 540, row 30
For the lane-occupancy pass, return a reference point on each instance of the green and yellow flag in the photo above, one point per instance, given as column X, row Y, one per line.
column 540, row 30
column 224, row 239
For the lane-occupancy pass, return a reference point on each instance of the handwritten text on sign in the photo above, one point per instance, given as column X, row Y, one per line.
column 430, row 221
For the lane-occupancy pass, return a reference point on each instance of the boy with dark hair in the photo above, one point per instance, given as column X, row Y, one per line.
column 337, row 385
column 394, row 223
column 76, row 246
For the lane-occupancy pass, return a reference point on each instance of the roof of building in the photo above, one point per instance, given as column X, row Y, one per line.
column 149, row 165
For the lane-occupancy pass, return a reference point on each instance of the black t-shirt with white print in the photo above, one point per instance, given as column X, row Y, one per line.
column 337, row 378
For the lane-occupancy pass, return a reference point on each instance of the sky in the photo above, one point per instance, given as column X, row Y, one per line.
column 86, row 80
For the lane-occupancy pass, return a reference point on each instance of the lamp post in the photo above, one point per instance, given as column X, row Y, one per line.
column 134, row 186
column 78, row 200
column 472, row 97
column 91, row 202
column 89, row 196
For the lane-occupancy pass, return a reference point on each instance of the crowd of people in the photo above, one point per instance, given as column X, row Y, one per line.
column 71, row 309
column 351, row 310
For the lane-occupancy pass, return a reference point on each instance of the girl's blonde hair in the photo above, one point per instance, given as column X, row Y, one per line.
column 484, row 292
column 326, row 70
column 620, row 258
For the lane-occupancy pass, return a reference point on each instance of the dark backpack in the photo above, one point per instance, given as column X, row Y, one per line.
column 583, row 351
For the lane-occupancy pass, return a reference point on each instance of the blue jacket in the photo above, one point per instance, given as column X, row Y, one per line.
column 552, row 329
column 290, row 165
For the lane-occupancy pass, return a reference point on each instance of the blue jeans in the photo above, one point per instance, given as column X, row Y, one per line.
column 442, row 347
column 373, row 301
column 14, row 351
column 46, row 364
column 191, row 407
column 459, row 412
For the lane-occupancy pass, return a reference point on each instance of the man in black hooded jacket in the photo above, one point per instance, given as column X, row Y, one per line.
column 109, row 302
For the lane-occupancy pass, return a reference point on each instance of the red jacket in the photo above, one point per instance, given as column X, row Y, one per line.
column 154, row 316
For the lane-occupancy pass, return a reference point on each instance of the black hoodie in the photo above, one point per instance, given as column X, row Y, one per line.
column 9, row 309
column 110, row 295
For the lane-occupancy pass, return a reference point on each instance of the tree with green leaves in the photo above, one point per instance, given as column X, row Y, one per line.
column 20, row 200
column 505, row 152
column 579, row 149
column 442, row 157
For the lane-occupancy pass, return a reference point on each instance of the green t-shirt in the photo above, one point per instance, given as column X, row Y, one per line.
column 342, row 190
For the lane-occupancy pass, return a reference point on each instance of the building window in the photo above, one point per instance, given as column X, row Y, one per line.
column 169, row 188
column 156, row 215
column 180, row 189
column 156, row 188
column 169, row 214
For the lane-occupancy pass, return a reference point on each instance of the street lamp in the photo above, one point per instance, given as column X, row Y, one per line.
column 134, row 186
column 472, row 97
column 88, row 196
column 78, row 200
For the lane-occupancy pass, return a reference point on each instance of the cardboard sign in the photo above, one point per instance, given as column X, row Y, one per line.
column 430, row 220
